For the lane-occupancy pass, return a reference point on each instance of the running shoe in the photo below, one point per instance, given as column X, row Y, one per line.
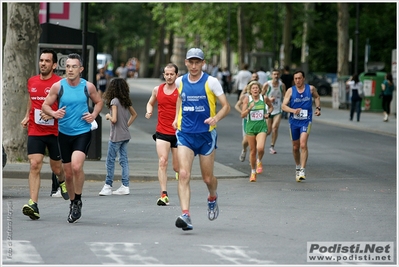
column 57, row 194
column 259, row 167
column 213, row 210
column 272, row 151
column 123, row 190
column 163, row 200
column 55, row 184
column 31, row 210
column 243, row 155
column 75, row 211
column 64, row 191
column 184, row 222
column 106, row 191
column 252, row 178
column 300, row 175
column 297, row 174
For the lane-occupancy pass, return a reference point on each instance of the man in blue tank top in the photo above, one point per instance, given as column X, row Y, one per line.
column 298, row 102
column 196, row 119
column 74, row 125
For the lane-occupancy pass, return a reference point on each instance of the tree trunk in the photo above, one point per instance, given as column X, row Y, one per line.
column 343, row 40
column 287, row 34
column 145, row 51
column 20, row 51
column 160, row 56
column 308, row 8
column 241, row 36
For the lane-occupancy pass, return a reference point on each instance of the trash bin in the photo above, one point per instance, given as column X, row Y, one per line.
column 372, row 87
column 343, row 95
column 94, row 152
column 335, row 95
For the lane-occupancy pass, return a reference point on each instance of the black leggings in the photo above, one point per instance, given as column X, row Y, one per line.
column 386, row 103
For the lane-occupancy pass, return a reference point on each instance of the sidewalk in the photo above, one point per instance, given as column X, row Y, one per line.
column 144, row 161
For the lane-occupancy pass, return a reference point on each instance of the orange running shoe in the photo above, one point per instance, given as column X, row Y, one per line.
column 259, row 167
column 252, row 178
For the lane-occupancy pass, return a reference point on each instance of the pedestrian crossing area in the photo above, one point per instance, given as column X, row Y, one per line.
column 123, row 253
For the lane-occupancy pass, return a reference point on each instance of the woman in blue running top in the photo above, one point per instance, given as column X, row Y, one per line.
column 298, row 102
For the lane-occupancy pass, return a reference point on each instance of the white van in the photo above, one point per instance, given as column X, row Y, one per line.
column 102, row 60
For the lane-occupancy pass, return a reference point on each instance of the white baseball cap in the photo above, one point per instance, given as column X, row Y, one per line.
column 195, row 53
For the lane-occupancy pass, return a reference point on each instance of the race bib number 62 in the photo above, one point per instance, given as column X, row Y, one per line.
column 303, row 115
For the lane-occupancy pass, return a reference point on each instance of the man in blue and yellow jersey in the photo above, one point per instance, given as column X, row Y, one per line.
column 195, row 122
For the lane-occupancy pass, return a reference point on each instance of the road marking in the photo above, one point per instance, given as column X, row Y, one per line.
column 20, row 251
column 234, row 255
column 121, row 253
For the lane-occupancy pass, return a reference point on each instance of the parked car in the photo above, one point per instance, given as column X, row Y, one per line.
column 323, row 86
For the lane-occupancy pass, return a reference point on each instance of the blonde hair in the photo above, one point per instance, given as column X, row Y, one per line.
column 249, row 85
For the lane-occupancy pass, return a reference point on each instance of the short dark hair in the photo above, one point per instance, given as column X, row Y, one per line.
column 51, row 51
column 171, row 65
column 287, row 68
column 76, row 56
column 300, row 71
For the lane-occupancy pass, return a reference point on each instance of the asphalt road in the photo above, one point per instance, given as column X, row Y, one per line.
column 350, row 195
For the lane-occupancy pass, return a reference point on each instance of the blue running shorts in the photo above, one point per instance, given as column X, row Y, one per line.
column 296, row 130
column 199, row 143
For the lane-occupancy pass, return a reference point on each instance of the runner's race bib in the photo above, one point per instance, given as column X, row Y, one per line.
column 40, row 121
column 257, row 115
column 303, row 115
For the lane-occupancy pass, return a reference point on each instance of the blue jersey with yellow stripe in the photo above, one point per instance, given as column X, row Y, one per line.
column 198, row 104
column 304, row 101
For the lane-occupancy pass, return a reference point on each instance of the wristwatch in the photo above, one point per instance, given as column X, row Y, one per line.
column 319, row 108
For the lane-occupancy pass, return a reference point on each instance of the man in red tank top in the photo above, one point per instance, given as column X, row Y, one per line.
column 42, row 131
column 166, row 95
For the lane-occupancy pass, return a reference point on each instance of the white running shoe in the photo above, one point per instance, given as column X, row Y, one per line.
column 123, row 190
column 106, row 191
column 243, row 155
column 57, row 194
column 301, row 176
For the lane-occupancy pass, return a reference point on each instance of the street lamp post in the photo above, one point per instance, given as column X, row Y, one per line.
column 356, row 36
column 228, row 46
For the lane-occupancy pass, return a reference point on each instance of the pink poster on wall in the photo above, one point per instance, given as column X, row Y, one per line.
column 64, row 14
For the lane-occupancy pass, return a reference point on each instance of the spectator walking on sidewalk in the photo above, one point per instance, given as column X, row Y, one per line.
column 387, row 91
column 42, row 132
column 121, row 116
column 166, row 95
column 196, row 119
column 356, row 93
